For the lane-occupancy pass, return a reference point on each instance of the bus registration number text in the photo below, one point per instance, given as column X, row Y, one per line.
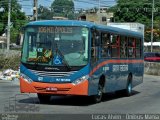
column 122, row 68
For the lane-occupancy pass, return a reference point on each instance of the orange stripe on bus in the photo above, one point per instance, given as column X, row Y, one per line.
column 113, row 61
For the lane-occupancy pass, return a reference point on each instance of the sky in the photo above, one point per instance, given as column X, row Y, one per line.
column 27, row 5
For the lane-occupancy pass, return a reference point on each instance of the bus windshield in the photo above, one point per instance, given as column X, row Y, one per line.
column 51, row 45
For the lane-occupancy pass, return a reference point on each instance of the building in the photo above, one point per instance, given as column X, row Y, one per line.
column 3, row 42
column 100, row 17
column 60, row 18
column 155, row 45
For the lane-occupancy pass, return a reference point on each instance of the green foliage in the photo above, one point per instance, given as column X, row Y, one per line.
column 138, row 11
column 1, row 26
column 63, row 8
column 59, row 8
column 132, row 11
column 18, row 18
column 44, row 13
column 11, row 62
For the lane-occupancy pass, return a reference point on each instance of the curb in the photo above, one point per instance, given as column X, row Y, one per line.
column 5, row 80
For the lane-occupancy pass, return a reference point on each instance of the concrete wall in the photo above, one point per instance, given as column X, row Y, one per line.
column 152, row 68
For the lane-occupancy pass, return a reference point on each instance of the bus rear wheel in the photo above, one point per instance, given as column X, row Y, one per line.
column 128, row 90
column 44, row 98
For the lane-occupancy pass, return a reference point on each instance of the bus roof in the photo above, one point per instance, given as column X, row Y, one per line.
column 62, row 23
column 86, row 24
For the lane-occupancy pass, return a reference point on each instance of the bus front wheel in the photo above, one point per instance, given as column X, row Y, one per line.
column 44, row 98
column 98, row 97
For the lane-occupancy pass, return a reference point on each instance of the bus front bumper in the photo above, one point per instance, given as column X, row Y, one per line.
column 54, row 88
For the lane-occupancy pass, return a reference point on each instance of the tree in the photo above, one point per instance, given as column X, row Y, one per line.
column 1, row 26
column 44, row 13
column 63, row 8
column 18, row 18
column 131, row 11
column 138, row 11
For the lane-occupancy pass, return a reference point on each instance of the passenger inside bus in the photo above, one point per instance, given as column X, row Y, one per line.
column 106, row 46
column 131, row 46
column 94, row 53
column 124, row 49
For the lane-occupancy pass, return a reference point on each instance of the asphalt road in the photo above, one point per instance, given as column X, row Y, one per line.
column 145, row 99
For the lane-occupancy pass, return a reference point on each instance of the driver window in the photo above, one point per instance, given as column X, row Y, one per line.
column 32, row 46
column 39, row 48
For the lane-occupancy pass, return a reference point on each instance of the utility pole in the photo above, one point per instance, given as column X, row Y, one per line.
column 99, row 5
column 35, row 11
column 9, row 23
column 152, row 26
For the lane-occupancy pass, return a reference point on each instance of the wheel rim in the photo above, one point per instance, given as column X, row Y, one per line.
column 129, row 88
column 99, row 95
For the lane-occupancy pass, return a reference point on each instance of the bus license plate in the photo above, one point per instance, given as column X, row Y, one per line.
column 51, row 89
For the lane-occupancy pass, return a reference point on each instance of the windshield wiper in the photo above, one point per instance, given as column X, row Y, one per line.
column 61, row 54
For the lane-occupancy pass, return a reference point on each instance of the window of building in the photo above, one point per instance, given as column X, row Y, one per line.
column 104, row 19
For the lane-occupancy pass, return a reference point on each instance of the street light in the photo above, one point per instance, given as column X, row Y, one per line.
column 152, row 26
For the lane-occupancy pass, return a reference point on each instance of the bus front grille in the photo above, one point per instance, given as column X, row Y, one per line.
column 52, row 74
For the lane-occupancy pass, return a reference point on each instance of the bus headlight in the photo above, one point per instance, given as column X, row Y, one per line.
column 78, row 81
column 26, row 78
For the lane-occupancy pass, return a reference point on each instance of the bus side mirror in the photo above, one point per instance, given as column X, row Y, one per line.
column 97, row 41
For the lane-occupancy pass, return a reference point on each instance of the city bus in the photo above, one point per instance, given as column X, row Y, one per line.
column 70, row 57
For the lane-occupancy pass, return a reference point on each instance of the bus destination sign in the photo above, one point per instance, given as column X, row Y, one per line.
column 55, row 30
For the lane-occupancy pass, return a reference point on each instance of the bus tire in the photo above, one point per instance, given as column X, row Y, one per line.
column 97, row 98
column 43, row 98
column 128, row 90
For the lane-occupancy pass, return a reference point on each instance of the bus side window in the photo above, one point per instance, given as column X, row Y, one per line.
column 138, row 48
column 105, row 45
column 123, row 47
column 131, row 48
column 94, row 47
column 115, row 45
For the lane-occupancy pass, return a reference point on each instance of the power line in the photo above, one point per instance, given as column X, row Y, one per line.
column 93, row 3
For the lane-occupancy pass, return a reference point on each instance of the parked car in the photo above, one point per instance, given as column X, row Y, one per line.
column 152, row 56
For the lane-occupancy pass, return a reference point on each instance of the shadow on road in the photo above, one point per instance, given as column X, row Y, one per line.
column 117, row 95
column 75, row 100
